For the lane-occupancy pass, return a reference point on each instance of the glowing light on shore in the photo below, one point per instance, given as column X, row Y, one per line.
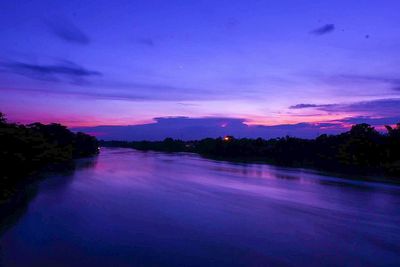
column 227, row 138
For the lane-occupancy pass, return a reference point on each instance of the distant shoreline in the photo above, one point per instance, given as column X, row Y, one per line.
column 362, row 177
column 360, row 151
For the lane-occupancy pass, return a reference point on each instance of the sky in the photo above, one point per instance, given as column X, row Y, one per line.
column 320, row 64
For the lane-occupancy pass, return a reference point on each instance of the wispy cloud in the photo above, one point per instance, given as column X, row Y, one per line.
column 303, row 106
column 146, row 42
column 391, row 80
column 395, row 80
column 328, row 28
column 373, row 121
column 56, row 72
column 130, row 91
column 378, row 107
column 68, row 32
column 232, row 23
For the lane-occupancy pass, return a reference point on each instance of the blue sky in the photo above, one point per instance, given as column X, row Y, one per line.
column 88, row 63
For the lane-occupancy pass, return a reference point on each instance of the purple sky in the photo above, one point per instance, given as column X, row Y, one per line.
column 90, row 63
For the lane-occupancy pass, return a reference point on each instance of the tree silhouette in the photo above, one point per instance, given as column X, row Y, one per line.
column 2, row 118
column 24, row 149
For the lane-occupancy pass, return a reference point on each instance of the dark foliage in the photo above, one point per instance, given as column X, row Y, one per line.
column 360, row 150
column 27, row 148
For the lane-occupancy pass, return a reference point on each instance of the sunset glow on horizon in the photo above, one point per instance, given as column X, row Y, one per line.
column 117, row 65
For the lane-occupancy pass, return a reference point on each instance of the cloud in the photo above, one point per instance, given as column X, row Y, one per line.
column 395, row 80
column 373, row 121
column 302, row 106
column 232, row 23
column 328, row 28
column 64, row 70
column 391, row 80
column 379, row 107
column 124, row 91
column 186, row 128
column 198, row 128
column 146, row 42
column 103, row 87
column 68, row 32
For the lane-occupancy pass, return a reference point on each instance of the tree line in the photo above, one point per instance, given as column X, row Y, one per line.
column 361, row 150
column 27, row 148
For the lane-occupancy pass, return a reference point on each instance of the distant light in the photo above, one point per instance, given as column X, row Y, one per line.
column 223, row 125
column 227, row 138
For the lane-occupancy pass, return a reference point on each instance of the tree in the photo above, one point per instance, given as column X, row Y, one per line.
column 361, row 147
column 2, row 118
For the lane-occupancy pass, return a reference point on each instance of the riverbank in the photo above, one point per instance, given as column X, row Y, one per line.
column 27, row 149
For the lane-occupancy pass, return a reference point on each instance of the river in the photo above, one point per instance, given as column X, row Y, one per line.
column 131, row 208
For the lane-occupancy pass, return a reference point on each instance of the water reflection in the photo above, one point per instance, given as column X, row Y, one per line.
column 14, row 208
column 152, row 209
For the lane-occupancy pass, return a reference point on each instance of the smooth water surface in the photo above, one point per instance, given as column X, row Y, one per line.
column 131, row 208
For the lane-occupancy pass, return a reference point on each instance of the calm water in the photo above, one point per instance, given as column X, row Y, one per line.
column 131, row 208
